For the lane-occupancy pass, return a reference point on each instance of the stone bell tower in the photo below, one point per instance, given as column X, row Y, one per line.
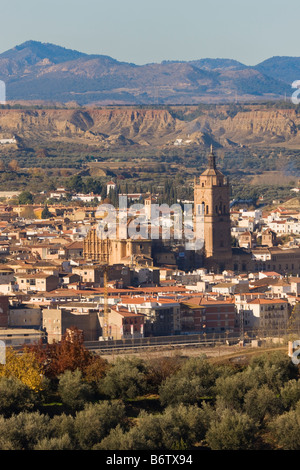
column 211, row 200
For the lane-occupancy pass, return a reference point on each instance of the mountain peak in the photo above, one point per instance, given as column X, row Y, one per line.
column 33, row 52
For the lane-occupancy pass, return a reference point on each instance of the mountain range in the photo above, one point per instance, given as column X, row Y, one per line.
column 35, row 71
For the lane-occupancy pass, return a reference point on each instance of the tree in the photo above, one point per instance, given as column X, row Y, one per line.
column 96, row 421
column 261, row 403
column 191, row 384
column 25, row 368
column 61, row 425
column 74, row 183
column 177, row 428
column 159, row 369
column 290, row 394
column 73, row 391
column 41, row 153
column 95, row 370
column 15, row 396
column 25, row 197
column 125, row 379
column 273, row 369
column 13, row 165
column 182, row 426
column 46, row 214
column 232, row 430
column 23, row 431
column 231, row 390
column 68, row 354
column 55, row 443
column 285, row 429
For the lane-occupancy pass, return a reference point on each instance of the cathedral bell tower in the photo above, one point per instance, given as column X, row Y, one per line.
column 211, row 200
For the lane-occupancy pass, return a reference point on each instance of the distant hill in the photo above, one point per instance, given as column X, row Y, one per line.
column 218, row 64
column 40, row 71
column 33, row 52
column 285, row 69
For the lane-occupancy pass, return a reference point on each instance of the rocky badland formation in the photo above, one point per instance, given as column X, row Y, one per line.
column 124, row 126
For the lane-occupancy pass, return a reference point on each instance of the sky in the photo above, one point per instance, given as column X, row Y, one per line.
column 143, row 32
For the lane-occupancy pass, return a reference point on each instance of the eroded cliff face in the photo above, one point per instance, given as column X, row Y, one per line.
column 155, row 127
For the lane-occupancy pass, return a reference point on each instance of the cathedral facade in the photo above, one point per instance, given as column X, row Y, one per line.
column 116, row 251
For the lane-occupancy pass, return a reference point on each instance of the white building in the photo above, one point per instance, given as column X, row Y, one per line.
column 86, row 197
column 111, row 186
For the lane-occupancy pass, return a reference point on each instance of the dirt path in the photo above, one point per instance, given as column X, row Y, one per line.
column 216, row 354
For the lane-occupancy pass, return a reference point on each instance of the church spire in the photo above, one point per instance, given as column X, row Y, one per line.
column 211, row 159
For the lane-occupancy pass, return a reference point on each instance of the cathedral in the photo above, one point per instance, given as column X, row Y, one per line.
column 211, row 202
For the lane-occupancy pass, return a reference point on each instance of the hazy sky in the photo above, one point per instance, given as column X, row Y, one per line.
column 142, row 32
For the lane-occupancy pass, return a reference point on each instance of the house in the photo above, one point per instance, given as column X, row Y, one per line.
column 20, row 336
column 24, row 316
column 268, row 237
column 162, row 315
column 58, row 194
column 125, row 324
column 86, row 197
column 247, row 240
column 204, row 315
column 74, row 250
column 83, row 315
column 70, row 278
column 228, row 288
column 48, row 251
column 270, row 315
column 38, row 282
column 89, row 273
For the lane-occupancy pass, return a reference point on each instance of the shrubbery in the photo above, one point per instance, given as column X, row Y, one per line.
column 153, row 404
